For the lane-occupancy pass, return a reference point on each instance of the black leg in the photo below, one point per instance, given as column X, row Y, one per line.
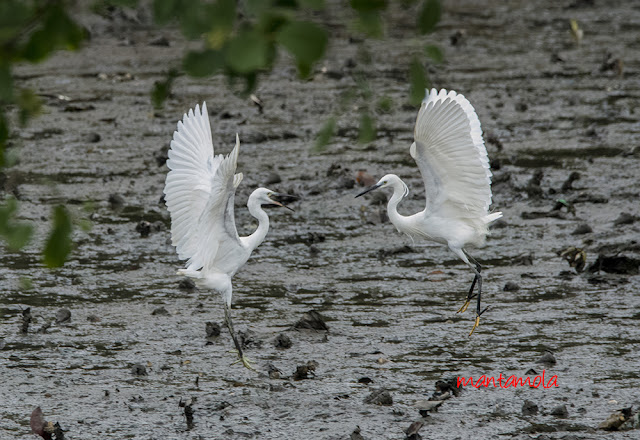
column 477, row 279
column 470, row 296
column 227, row 318
column 241, row 358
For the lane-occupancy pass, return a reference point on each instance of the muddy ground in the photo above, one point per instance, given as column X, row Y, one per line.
column 547, row 105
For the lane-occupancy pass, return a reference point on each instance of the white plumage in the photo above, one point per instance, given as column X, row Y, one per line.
column 453, row 161
column 199, row 193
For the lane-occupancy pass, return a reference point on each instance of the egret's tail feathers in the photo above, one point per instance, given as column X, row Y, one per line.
column 188, row 272
column 492, row 217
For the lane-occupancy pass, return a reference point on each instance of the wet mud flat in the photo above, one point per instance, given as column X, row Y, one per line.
column 135, row 358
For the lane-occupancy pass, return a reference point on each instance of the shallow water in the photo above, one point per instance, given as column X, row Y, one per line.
column 391, row 319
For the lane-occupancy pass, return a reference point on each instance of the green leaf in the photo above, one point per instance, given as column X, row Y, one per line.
column 58, row 31
column 368, row 5
column 306, row 41
column 25, row 283
column 370, row 22
column 312, row 4
column 434, row 53
column 429, row 16
column 4, row 135
column 247, row 52
column 418, row 81
column 367, row 131
column 165, row 10
column 30, row 105
column 14, row 14
column 16, row 235
column 222, row 17
column 195, row 18
column 162, row 89
column 257, row 7
column 125, row 3
column 6, row 83
column 325, row 134
column 384, row 104
column 58, row 245
column 203, row 63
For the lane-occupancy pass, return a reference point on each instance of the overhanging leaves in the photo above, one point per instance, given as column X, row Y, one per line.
column 325, row 134
column 434, row 53
column 15, row 234
column 247, row 52
column 367, row 132
column 58, row 244
column 418, row 81
column 306, row 41
column 203, row 63
column 429, row 16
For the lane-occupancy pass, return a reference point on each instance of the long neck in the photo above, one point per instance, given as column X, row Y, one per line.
column 254, row 240
column 399, row 191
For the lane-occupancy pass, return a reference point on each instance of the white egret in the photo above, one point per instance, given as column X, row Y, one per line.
column 453, row 161
column 199, row 193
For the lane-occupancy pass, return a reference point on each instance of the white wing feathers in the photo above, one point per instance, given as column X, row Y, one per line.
column 199, row 191
column 218, row 235
column 451, row 155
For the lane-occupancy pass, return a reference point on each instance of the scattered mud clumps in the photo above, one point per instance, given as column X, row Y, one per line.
column 26, row 320
column 63, row 316
column 547, row 359
column 529, row 408
column 576, row 257
column 188, row 411
column 379, row 397
column 212, row 330
column 311, row 320
column 306, row 371
column 139, row 370
column 160, row 311
column 46, row 430
column 622, row 420
column 616, row 264
column 282, row 341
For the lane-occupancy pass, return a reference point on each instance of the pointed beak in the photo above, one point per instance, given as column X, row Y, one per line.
column 281, row 197
column 371, row 188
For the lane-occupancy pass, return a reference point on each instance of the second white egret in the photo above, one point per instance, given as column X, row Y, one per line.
column 453, row 161
column 199, row 192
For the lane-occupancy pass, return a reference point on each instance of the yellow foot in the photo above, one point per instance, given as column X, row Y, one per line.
column 244, row 360
column 464, row 307
column 475, row 325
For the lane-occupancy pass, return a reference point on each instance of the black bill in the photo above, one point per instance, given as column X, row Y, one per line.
column 371, row 188
column 280, row 199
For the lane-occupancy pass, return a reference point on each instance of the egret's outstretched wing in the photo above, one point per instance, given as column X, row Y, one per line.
column 451, row 155
column 191, row 182
column 218, row 236
column 188, row 184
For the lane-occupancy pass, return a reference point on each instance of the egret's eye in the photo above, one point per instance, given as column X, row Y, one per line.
column 384, row 183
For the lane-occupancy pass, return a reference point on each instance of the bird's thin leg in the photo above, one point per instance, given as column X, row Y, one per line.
column 477, row 280
column 478, row 277
column 470, row 296
column 241, row 357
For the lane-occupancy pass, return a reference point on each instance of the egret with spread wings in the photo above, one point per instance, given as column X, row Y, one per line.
column 199, row 193
column 453, row 161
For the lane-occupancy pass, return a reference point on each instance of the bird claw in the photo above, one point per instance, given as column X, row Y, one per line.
column 464, row 306
column 248, row 363
column 477, row 323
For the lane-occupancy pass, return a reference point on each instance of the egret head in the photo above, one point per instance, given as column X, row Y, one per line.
column 265, row 196
column 387, row 180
